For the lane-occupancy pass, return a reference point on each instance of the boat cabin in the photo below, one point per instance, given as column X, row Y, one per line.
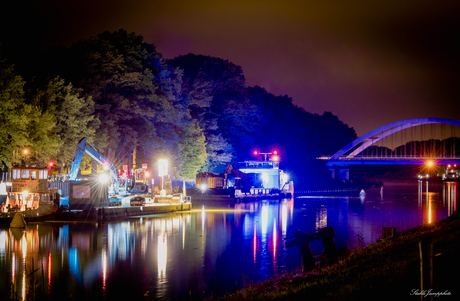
column 29, row 187
column 265, row 174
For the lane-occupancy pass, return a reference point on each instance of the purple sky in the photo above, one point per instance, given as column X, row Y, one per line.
column 369, row 64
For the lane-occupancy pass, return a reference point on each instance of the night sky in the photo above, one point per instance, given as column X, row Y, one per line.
column 368, row 62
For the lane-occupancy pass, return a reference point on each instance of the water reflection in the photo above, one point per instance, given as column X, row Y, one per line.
column 206, row 251
column 450, row 197
column 162, row 254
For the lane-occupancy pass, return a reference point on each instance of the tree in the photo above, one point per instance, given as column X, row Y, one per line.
column 73, row 116
column 136, row 94
column 192, row 151
column 333, row 134
column 216, row 93
column 13, row 114
column 299, row 136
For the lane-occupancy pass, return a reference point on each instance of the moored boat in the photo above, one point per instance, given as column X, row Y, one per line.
column 29, row 195
column 249, row 180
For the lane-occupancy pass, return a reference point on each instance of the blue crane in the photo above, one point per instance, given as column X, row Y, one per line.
column 91, row 150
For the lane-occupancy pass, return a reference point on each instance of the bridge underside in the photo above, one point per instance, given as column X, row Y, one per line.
column 390, row 161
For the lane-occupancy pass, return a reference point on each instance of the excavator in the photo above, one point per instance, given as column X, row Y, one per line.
column 117, row 186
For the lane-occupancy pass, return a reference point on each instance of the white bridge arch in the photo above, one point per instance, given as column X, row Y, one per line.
column 372, row 137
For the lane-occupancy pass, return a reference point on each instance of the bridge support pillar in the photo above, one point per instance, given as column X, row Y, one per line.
column 333, row 171
column 340, row 173
column 344, row 174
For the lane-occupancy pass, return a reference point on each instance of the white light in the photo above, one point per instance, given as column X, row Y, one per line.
column 264, row 177
column 25, row 193
column 203, row 187
column 162, row 167
column 285, row 178
column 103, row 178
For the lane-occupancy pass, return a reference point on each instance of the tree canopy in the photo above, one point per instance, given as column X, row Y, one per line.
column 119, row 92
column 13, row 113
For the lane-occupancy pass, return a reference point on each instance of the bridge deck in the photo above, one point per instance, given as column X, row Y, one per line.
column 346, row 161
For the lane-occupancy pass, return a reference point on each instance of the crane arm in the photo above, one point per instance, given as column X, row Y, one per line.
column 82, row 149
column 76, row 161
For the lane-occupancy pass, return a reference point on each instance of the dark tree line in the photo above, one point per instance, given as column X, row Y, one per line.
column 119, row 92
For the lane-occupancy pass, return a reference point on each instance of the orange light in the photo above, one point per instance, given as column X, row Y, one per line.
column 147, row 174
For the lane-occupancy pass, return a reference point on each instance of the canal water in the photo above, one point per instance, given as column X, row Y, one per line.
column 215, row 248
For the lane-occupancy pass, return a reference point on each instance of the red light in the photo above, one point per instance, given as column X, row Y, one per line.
column 255, row 153
column 455, row 165
column 275, row 152
column 51, row 164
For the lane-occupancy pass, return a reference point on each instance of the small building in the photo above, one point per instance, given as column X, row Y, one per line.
column 208, row 180
column 29, row 187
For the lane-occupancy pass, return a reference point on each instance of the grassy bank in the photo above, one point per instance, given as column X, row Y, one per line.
column 384, row 270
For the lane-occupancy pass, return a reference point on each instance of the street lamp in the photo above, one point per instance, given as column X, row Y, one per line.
column 162, row 171
column 26, row 152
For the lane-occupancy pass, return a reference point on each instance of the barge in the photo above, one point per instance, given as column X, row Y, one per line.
column 247, row 181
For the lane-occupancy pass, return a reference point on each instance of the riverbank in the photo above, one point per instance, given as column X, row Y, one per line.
column 383, row 270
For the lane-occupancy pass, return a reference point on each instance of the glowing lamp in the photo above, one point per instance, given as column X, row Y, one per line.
column 275, row 152
column 25, row 193
column 51, row 164
column 162, row 167
column 430, row 163
column 275, row 158
column 255, row 152
column 147, row 174
column 103, row 178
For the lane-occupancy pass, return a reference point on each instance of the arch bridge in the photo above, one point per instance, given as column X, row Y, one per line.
column 416, row 151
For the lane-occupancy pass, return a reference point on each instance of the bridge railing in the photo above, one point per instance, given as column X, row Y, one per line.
column 391, row 158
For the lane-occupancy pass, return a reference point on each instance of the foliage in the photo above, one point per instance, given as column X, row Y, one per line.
column 41, row 136
column 299, row 136
column 216, row 93
column 192, row 151
column 13, row 113
column 135, row 93
column 125, row 97
column 73, row 118
column 333, row 134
